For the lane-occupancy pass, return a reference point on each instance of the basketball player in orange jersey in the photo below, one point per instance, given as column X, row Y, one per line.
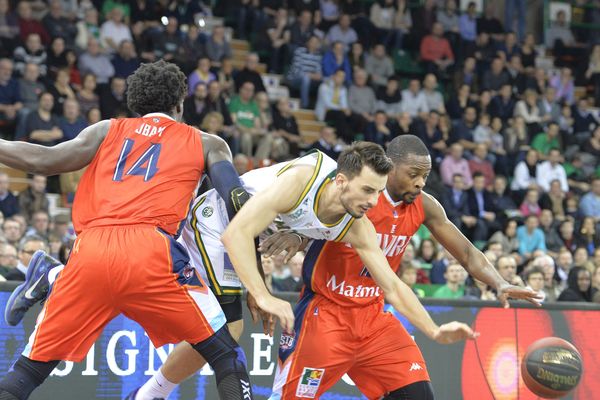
column 131, row 202
column 340, row 326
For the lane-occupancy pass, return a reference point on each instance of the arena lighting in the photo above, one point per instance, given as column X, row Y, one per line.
column 164, row 20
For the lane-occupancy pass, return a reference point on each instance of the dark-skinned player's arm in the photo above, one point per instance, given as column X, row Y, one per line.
column 363, row 238
column 473, row 260
column 68, row 156
column 254, row 218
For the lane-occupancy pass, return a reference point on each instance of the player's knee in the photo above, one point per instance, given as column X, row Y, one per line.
column 24, row 377
column 236, row 328
column 415, row 391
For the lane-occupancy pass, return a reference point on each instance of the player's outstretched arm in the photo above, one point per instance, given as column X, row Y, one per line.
column 249, row 222
column 68, row 156
column 362, row 237
column 474, row 261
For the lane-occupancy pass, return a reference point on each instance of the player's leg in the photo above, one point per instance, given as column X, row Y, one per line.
column 318, row 354
column 41, row 273
column 185, row 361
column 389, row 363
column 188, row 307
column 73, row 317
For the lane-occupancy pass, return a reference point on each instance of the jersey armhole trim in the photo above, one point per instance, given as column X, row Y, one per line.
column 205, row 259
column 311, row 182
column 345, row 230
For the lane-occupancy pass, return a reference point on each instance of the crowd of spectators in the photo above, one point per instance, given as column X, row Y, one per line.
column 515, row 143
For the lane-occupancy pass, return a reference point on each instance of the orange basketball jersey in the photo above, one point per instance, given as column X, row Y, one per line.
column 145, row 172
column 334, row 269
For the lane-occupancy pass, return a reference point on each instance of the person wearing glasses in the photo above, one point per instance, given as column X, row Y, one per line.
column 29, row 246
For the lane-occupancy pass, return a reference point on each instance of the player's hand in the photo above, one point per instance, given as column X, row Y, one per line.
column 507, row 291
column 453, row 332
column 278, row 308
column 267, row 319
column 279, row 242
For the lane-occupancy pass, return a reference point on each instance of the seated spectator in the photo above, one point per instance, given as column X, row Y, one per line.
column 86, row 95
column 57, row 24
column 590, row 202
column 551, row 287
column 457, row 104
column 503, row 104
column 549, row 106
column 481, row 206
column 489, row 24
column 477, row 290
column 581, row 258
column 433, row 97
column 278, row 34
column 56, row 57
column 9, row 205
column 114, row 31
column 453, row 164
column 379, row 66
column 361, row 99
column 332, row 105
column 509, row 48
column 467, row 75
column 87, row 28
column 545, row 141
column 40, row 225
column 579, row 286
column 27, row 247
column 202, row 74
column 245, row 115
column 10, row 96
column 32, row 52
column 126, row 61
column 431, row 135
column 467, row 25
column 391, row 21
column 389, row 98
column 8, row 259
column 534, row 278
column 484, row 52
column 215, row 101
column 225, row 76
column 479, row 163
column 496, row 76
column 33, row 198
column 357, row 56
column 305, row 72
column 61, row 90
column 428, row 252
column 168, row 45
column 413, row 100
column 554, row 200
column 268, row 147
column 496, row 147
column 456, row 204
column 378, row 130
column 192, row 48
column 463, row 130
column 113, row 99
column 455, row 280
column 329, row 143
column 92, row 61
column 294, row 282
column 286, row 128
column 194, row 106
column 29, row 25
column 530, row 237
column 449, row 18
column 335, row 59
column 302, row 30
column 560, row 39
column 217, row 47
column 408, row 275
column 41, row 126
column 550, row 170
column 9, row 29
column 436, row 53
column 526, row 173
column 584, row 118
column 249, row 74
column 501, row 195
column 342, row 32
column 507, row 268
column 71, row 123
column 507, row 237
column 530, row 205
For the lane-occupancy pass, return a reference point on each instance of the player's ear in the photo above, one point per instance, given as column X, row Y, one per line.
column 340, row 178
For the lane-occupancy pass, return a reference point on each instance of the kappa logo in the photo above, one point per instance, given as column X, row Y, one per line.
column 309, row 382
column 415, row 367
column 207, row 212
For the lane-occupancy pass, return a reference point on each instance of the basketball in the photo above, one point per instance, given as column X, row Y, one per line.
column 551, row 367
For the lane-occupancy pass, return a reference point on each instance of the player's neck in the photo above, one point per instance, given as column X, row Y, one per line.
column 329, row 207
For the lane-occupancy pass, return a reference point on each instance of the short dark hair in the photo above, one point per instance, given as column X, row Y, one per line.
column 534, row 270
column 156, row 87
column 360, row 154
column 401, row 147
column 478, row 174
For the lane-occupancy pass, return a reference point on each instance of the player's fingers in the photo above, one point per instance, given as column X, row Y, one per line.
column 271, row 325
column 504, row 300
column 254, row 313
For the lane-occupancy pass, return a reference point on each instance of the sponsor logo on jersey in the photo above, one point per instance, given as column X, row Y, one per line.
column 188, row 272
column 310, row 382
column 297, row 214
column 392, row 245
column 360, row 291
column 415, row 367
column 207, row 212
column 287, row 340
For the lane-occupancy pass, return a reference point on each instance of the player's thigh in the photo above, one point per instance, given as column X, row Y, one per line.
column 316, row 357
column 169, row 300
column 388, row 360
column 78, row 307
